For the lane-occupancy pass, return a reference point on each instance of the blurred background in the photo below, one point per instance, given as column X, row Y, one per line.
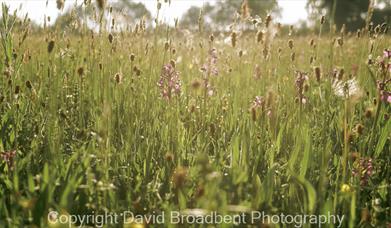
column 217, row 15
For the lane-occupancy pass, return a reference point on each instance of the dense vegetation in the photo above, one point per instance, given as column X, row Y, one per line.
column 159, row 119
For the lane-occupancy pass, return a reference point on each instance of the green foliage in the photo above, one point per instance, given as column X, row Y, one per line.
column 86, row 126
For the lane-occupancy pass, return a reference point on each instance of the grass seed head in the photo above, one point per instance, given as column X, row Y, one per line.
column 290, row 43
column 17, row 90
column 118, row 78
column 29, row 85
column 80, row 71
column 322, row 20
column 368, row 113
column 132, row 57
column 340, row 41
column 101, row 4
column 195, row 84
column 317, row 73
column 259, row 36
column 111, row 38
column 179, row 177
column 233, row 39
column 359, row 129
column 60, row 4
column 51, row 46
column 268, row 20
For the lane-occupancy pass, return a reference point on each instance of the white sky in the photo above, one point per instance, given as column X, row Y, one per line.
column 292, row 10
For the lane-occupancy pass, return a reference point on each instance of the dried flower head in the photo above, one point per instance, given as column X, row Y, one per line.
column 317, row 73
column 268, row 20
column 101, row 4
column 111, row 38
column 80, row 71
column 260, row 36
column 118, row 78
column 132, row 57
column 233, row 39
column 290, row 43
column 322, row 19
column 60, row 4
column 51, row 46
column 179, row 177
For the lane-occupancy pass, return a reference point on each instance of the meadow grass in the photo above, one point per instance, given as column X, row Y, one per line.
column 94, row 122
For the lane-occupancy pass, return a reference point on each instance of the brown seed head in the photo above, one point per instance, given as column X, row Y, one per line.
column 259, row 36
column 17, row 89
column 340, row 41
column 317, row 73
column 28, row 84
column 322, row 19
column 290, row 43
column 233, row 39
column 268, row 20
column 50, row 46
column 111, row 37
column 118, row 78
column 368, row 113
column 359, row 129
column 80, row 71
column 169, row 157
column 60, row 4
column 101, row 4
column 179, row 177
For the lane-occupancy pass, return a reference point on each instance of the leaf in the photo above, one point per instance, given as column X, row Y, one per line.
column 386, row 132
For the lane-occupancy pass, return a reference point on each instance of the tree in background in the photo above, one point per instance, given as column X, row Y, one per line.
column 223, row 13
column 352, row 13
column 125, row 13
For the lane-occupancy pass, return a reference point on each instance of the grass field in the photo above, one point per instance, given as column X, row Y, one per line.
column 160, row 119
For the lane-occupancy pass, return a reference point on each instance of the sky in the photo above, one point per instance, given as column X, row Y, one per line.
column 292, row 10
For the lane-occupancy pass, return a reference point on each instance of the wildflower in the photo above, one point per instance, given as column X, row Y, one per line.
column 345, row 188
column 169, row 82
column 363, row 168
column 299, row 82
column 211, row 67
column 8, row 157
column 257, row 104
column 385, row 96
column 387, row 53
